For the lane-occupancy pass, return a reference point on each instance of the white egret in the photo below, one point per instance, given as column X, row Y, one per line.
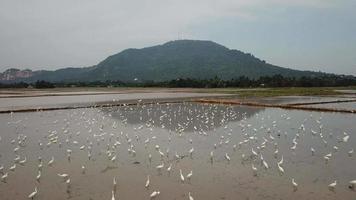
column 4, row 177
column 40, row 165
column 332, row 185
column 112, row 195
column 189, row 176
column 181, row 175
column 276, row 153
column 350, row 152
column 335, row 148
column 147, row 182
column 190, row 196
column 161, row 154
column 254, row 154
column 281, row 161
column 114, row 183
column 191, row 152
column 352, row 184
column 254, row 170
column 227, row 157
column 169, row 168
column 159, row 167
column 68, row 184
column 13, row 167
column 64, row 176
column 38, row 177
column 33, row 194
column 51, row 162
column 312, row 151
column 280, row 169
column 265, row 164
column 295, row 185
column 22, row 162
column 346, row 138
column 149, row 157
column 154, row 194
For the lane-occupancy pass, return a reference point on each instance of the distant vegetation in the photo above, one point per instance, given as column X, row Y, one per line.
column 242, row 82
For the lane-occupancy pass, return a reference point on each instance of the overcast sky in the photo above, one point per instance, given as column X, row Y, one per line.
column 300, row 34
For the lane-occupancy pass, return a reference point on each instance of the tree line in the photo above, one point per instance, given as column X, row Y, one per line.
column 216, row 82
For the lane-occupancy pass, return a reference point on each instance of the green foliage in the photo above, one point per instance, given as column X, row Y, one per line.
column 43, row 84
column 276, row 81
column 14, row 85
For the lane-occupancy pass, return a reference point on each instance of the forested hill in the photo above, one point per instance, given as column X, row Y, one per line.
column 176, row 59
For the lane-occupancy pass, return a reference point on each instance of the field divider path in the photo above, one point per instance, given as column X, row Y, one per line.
column 321, row 102
column 297, row 106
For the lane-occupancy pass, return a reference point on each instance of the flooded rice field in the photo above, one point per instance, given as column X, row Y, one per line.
column 177, row 151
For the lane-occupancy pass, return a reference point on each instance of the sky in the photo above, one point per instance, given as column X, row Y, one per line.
column 318, row 35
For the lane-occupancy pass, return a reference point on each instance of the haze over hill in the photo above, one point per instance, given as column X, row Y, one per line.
column 175, row 59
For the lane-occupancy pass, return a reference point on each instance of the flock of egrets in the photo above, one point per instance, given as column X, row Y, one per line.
column 159, row 136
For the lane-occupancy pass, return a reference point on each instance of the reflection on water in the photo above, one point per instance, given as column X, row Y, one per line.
column 181, row 117
column 232, row 152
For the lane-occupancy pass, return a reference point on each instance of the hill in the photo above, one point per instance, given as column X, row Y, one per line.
column 176, row 59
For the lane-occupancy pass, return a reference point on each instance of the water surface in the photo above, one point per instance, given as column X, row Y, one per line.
column 177, row 128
